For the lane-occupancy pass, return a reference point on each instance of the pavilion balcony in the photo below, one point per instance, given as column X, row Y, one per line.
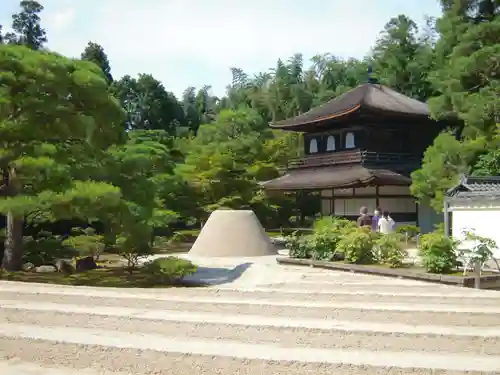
column 369, row 158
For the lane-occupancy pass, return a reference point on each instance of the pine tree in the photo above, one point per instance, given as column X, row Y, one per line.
column 95, row 53
column 26, row 26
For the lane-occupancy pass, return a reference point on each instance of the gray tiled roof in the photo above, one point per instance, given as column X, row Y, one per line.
column 366, row 95
column 335, row 177
column 473, row 187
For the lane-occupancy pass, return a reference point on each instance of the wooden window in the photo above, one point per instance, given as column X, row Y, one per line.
column 349, row 140
column 313, row 146
column 330, row 143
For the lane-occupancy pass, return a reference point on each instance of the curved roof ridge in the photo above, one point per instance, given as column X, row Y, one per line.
column 369, row 95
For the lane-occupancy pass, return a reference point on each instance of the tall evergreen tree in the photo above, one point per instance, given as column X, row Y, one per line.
column 95, row 53
column 468, row 74
column 26, row 26
column 402, row 60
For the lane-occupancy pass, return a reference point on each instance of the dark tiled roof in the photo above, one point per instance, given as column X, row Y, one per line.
column 474, row 187
column 335, row 177
column 367, row 95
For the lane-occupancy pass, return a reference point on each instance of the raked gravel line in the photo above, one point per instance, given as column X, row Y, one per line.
column 95, row 360
column 365, row 311
column 254, row 320
column 298, row 337
column 273, row 320
column 367, row 304
column 222, row 348
column 320, row 296
column 453, row 297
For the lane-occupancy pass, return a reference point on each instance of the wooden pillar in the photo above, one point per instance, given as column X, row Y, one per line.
column 377, row 200
column 333, row 203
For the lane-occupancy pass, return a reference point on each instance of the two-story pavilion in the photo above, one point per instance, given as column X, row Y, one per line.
column 360, row 149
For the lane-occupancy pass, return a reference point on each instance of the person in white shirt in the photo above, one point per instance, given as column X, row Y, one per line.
column 385, row 223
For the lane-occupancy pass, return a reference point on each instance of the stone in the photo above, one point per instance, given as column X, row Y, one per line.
column 27, row 267
column 85, row 264
column 338, row 257
column 46, row 269
column 64, row 266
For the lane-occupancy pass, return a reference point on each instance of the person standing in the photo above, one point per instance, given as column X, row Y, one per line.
column 385, row 223
column 375, row 219
column 364, row 219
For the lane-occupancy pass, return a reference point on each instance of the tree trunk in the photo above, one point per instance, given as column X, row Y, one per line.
column 13, row 251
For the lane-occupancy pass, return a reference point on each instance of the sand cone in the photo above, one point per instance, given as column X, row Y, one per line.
column 232, row 233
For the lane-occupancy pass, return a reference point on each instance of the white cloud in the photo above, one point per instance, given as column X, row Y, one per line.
column 59, row 20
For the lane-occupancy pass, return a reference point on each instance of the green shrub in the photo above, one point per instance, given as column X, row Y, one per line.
column 332, row 224
column 482, row 247
column 410, row 231
column 388, row 250
column 45, row 249
column 168, row 270
column 161, row 242
column 327, row 232
column 438, row 252
column 322, row 245
column 185, row 236
column 133, row 249
column 357, row 246
column 298, row 246
column 87, row 244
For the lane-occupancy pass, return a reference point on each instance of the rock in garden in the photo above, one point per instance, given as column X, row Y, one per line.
column 64, row 267
column 338, row 257
column 27, row 267
column 45, row 269
column 85, row 264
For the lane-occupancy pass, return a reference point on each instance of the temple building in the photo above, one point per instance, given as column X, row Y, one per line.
column 360, row 149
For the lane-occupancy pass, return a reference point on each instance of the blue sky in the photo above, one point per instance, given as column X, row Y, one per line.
column 195, row 42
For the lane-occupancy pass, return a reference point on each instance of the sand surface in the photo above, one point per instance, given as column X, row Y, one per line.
column 257, row 318
column 233, row 233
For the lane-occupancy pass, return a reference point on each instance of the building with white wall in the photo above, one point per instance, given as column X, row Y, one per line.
column 474, row 205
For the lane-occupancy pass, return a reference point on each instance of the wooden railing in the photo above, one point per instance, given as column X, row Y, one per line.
column 352, row 157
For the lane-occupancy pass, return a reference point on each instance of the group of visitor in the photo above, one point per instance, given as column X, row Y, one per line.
column 381, row 221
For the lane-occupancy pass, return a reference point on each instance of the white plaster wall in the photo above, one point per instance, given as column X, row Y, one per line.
column 484, row 222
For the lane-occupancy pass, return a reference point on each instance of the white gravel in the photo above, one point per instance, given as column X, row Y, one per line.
column 359, row 311
column 276, row 320
column 145, row 362
column 296, row 336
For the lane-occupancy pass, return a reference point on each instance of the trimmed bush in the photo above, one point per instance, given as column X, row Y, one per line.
column 438, row 252
column 357, row 246
column 169, row 270
column 409, row 231
column 388, row 250
column 133, row 249
column 45, row 249
column 322, row 243
column 298, row 246
column 87, row 244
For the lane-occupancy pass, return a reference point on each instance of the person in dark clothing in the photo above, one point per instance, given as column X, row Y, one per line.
column 364, row 219
column 375, row 218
